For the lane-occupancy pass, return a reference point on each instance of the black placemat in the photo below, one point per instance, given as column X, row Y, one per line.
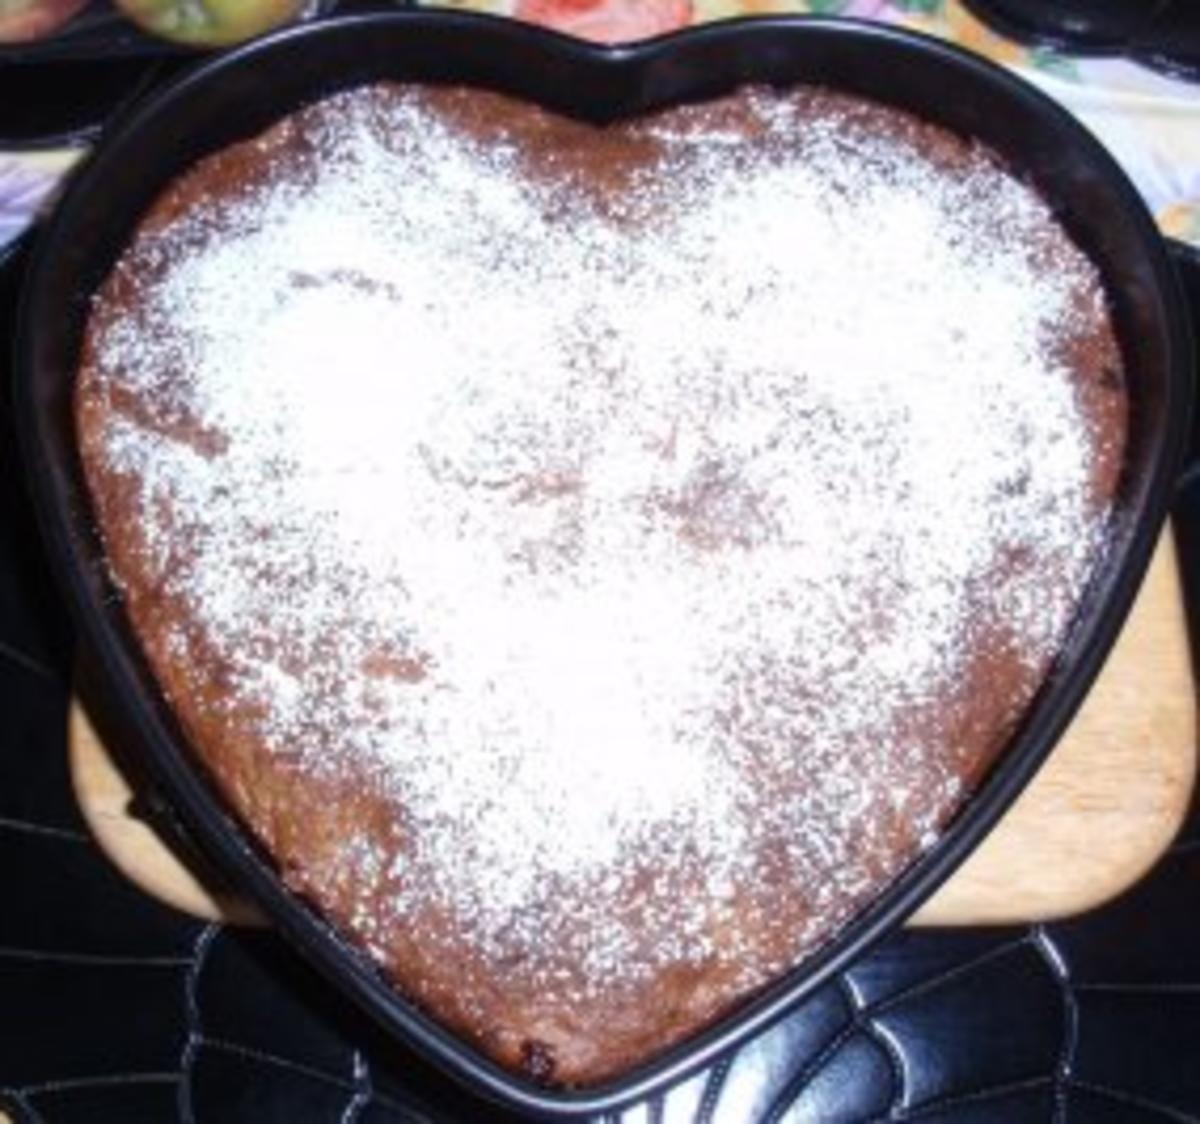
column 113, row 1008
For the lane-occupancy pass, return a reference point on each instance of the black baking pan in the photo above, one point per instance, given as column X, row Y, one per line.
column 238, row 94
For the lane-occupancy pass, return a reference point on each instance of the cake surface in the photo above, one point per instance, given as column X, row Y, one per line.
column 595, row 562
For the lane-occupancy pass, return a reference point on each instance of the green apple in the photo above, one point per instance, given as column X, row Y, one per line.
column 23, row 20
column 210, row 23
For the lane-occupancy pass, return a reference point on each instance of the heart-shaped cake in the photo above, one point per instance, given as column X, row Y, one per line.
column 596, row 561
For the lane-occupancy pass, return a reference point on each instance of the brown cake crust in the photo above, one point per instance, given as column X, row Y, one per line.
column 336, row 833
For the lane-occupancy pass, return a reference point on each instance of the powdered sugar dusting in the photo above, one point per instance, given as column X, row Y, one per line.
column 636, row 544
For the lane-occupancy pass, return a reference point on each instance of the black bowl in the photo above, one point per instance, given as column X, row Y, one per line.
column 234, row 96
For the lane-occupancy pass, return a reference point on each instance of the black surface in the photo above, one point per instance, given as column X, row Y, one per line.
column 1085, row 25
column 113, row 1008
column 1164, row 34
column 61, row 103
column 1172, row 45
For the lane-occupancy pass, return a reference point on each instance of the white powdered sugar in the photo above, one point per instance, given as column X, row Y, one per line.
column 636, row 548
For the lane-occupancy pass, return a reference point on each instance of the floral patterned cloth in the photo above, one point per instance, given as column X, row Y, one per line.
column 1151, row 123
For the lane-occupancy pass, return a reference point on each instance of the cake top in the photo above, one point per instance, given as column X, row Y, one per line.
column 637, row 509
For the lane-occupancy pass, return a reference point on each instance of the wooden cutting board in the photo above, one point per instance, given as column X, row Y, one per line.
column 1097, row 816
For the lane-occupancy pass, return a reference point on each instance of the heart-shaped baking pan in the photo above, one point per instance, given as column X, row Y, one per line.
column 240, row 94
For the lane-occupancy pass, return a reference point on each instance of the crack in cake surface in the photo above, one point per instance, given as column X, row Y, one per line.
column 640, row 539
